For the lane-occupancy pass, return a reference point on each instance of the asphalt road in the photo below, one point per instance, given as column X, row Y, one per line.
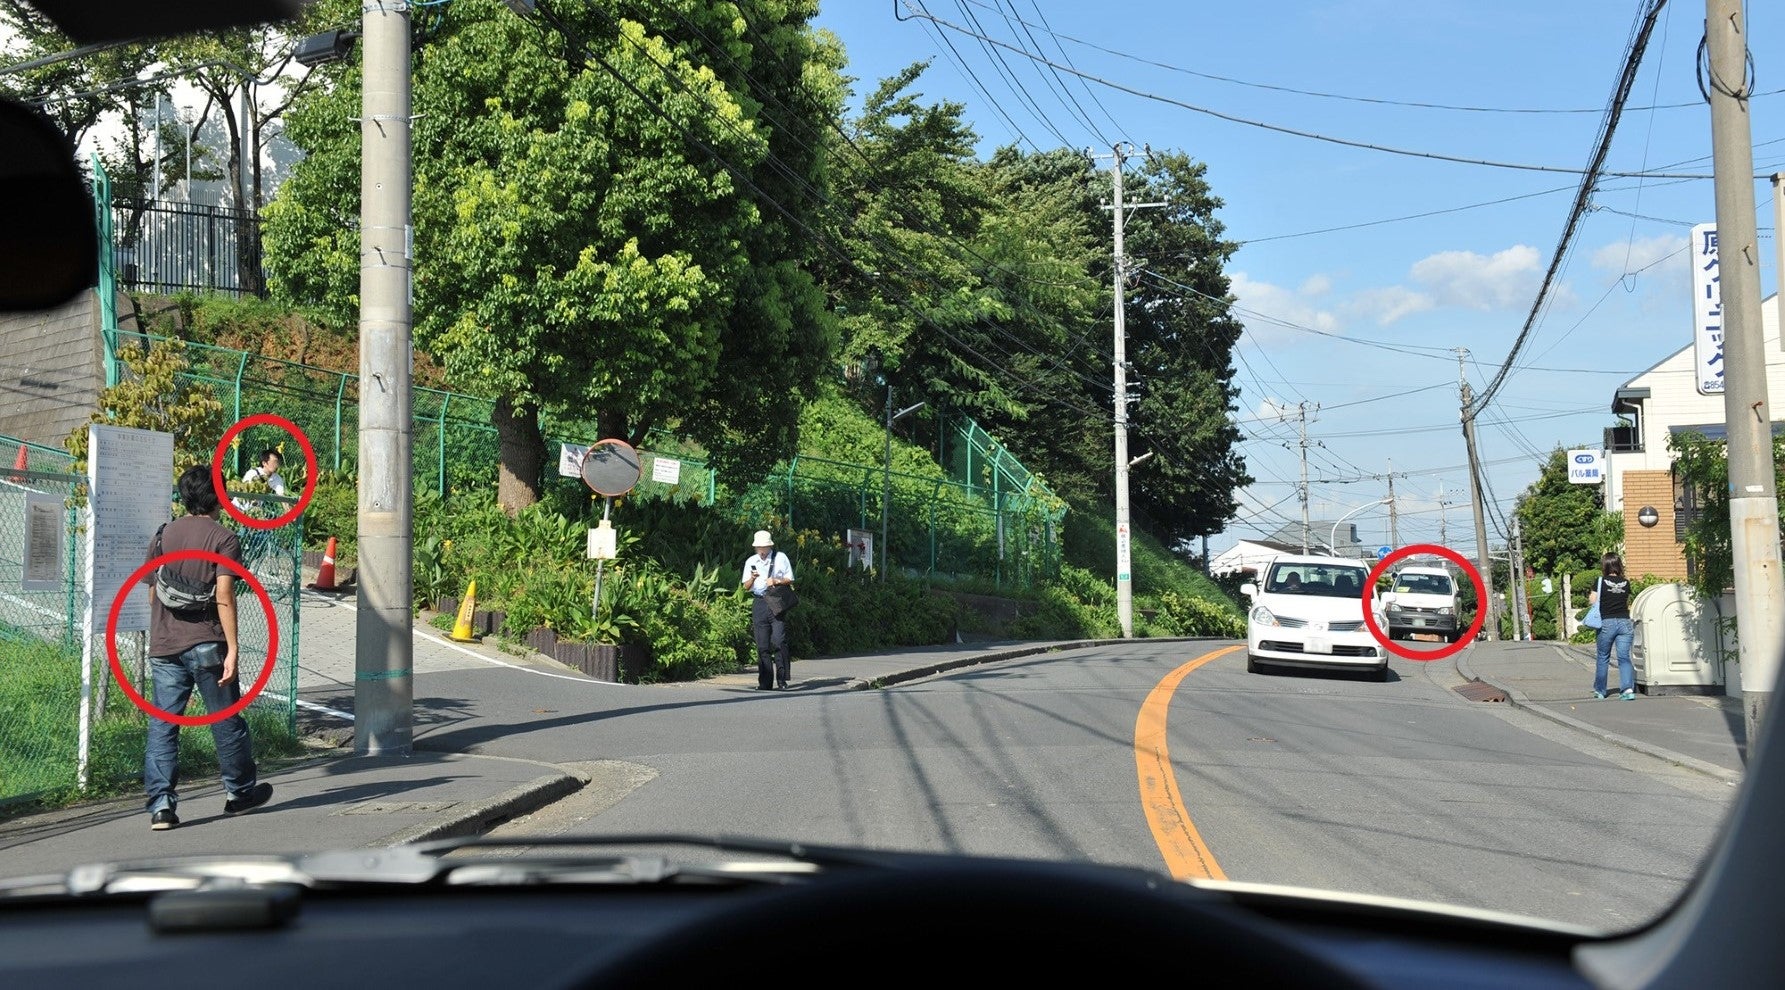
column 1401, row 789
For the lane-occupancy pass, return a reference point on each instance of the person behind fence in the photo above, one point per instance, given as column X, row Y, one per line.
column 261, row 544
column 268, row 471
column 765, row 569
column 1612, row 595
column 193, row 644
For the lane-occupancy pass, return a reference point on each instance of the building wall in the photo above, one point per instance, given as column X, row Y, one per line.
column 1651, row 549
column 51, row 370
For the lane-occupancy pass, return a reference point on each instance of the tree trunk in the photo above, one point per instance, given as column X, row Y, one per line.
column 522, row 454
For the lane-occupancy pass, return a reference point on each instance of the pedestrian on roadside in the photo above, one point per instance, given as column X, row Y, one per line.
column 260, row 542
column 268, row 471
column 768, row 568
column 1612, row 594
column 195, row 646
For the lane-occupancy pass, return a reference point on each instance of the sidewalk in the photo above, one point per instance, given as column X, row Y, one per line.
column 368, row 802
column 1555, row 680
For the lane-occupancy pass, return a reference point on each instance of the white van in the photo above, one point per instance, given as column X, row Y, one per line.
column 1423, row 600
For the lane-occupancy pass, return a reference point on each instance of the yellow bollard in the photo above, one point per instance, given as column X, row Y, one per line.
column 461, row 628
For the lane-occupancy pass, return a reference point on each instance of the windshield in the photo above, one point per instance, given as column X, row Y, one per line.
column 1320, row 580
column 1422, row 584
column 672, row 417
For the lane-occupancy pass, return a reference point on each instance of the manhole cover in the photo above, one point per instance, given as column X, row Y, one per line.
column 1481, row 691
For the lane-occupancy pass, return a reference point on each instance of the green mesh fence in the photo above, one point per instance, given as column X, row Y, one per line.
column 42, row 631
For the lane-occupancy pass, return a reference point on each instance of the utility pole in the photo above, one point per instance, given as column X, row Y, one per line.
column 1394, row 528
column 1124, row 575
column 1443, row 530
column 1747, row 411
column 1492, row 622
column 384, row 657
column 1521, row 611
column 1302, row 417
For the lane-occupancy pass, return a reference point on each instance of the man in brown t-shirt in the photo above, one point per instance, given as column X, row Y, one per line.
column 196, row 648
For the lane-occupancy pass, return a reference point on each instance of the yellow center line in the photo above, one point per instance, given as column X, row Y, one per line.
column 1187, row 857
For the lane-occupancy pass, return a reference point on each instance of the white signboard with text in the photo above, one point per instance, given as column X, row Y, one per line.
column 129, row 496
column 46, row 545
column 666, row 470
column 570, row 459
column 1707, row 311
column 1586, row 467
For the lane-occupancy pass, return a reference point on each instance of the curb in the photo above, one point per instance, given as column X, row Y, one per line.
column 1518, row 698
column 478, row 817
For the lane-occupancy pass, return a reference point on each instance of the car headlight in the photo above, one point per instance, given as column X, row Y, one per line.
column 1394, row 609
column 1447, row 611
column 1263, row 616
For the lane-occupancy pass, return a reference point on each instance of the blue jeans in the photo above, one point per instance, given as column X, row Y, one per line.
column 173, row 679
column 1614, row 632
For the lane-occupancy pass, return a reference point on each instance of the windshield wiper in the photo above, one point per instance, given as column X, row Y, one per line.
column 432, row 863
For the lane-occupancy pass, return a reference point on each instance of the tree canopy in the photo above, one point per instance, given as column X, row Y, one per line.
column 606, row 220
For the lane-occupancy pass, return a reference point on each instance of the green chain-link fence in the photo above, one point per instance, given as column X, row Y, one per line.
column 42, row 631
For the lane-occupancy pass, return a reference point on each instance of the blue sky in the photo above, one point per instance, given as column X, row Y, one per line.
column 1346, row 302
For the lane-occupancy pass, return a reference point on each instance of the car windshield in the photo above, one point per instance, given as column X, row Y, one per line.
column 1319, row 580
column 874, row 425
column 1423, row 584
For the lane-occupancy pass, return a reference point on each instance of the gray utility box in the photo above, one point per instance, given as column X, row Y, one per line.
column 1677, row 645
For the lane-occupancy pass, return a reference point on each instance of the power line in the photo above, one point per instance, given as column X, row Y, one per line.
column 1358, row 99
column 1293, row 132
column 1627, row 78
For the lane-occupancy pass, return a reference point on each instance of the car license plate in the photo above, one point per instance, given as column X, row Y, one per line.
column 1317, row 644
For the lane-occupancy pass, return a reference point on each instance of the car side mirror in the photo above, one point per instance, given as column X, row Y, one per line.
column 49, row 244
column 1249, row 589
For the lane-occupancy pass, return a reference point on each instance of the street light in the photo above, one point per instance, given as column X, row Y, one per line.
column 1332, row 542
column 886, row 490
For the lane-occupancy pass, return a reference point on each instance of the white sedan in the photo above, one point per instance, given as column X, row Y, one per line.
column 1309, row 612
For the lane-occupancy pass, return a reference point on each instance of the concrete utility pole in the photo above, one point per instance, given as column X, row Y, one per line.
column 1124, row 571
column 1302, row 417
column 1492, row 622
column 1521, row 609
column 384, row 657
column 1394, row 526
column 1753, row 502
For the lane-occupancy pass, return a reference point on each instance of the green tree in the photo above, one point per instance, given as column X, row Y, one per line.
column 1702, row 465
column 154, row 394
column 604, row 221
column 1181, row 332
column 1564, row 526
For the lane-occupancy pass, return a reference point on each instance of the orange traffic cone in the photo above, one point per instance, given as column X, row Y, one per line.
column 19, row 464
column 325, row 576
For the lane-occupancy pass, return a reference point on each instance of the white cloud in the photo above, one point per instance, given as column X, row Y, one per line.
column 1504, row 280
column 1267, row 306
column 1385, row 306
column 1621, row 257
column 1271, row 409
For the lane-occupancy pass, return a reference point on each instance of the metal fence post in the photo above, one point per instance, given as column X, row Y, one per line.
column 340, row 396
column 441, row 431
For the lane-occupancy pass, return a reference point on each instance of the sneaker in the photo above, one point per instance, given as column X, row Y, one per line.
column 1627, row 696
column 257, row 795
column 163, row 820
column 1599, row 694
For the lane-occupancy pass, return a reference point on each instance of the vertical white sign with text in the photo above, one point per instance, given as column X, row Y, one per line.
column 1707, row 311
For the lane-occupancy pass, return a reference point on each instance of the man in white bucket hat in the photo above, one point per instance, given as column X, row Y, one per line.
column 765, row 569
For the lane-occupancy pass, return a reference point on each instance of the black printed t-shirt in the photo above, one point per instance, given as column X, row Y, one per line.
column 173, row 633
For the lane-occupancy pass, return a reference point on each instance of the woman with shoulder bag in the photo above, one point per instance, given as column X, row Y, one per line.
column 1611, row 597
